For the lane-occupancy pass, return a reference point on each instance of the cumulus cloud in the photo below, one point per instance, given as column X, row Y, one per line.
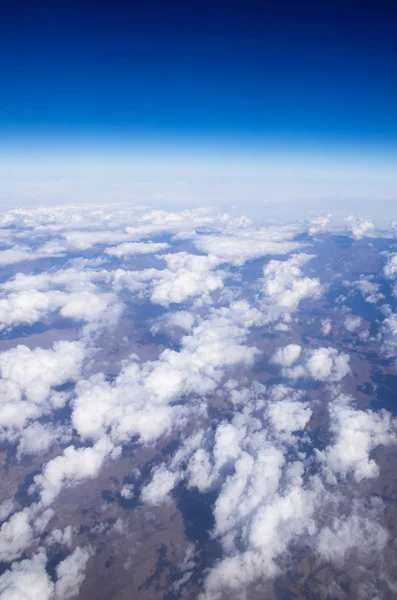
column 358, row 227
column 319, row 224
column 70, row 468
column 26, row 388
column 287, row 355
column 16, row 535
column 27, row 580
column 71, row 573
column 27, row 299
column 321, row 364
column 356, row 434
column 186, row 275
column 326, row 326
column 370, row 291
column 284, row 286
column 263, row 500
column 140, row 400
column 352, row 323
column 132, row 248
column 246, row 244
column 157, row 491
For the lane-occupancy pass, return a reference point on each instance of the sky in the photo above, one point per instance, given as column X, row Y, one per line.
column 198, row 101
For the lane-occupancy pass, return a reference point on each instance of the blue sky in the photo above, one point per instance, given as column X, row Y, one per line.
column 292, row 83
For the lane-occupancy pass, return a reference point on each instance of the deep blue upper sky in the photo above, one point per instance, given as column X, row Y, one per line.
column 271, row 70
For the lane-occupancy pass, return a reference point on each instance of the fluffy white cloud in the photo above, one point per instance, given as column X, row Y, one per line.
column 363, row 534
column 156, row 492
column 326, row 326
column 61, row 537
column 369, row 290
column 358, row 227
column 132, row 248
column 352, row 323
column 37, row 438
column 321, row 364
column 284, row 287
column 287, row 355
column 70, row 468
column 390, row 269
column 356, row 434
column 16, row 535
column 264, row 501
column 30, row 306
column 319, row 224
column 246, row 244
column 139, row 401
column 186, row 275
column 71, row 573
column 27, row 379
column 27, row 580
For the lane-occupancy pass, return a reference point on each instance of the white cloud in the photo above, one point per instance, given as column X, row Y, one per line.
column 352, row 323
column 71, row 573
column 27, row 580
column 369, row 290
column 187, row 275
column 321, row 364
column 358, row 227
column 284, row 287
column 132, row 248
column 70, row 468
column 356, row 434
column 345, row 534
column 286, row 355
column 16, row 535
column 139, row 401
column 246, row 244
column 61, row 537
column 27, row 379
column 326, row 326
column 157, row 491
column 319, row 224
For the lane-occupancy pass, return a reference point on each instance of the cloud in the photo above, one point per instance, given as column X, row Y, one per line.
column 71, row 573
column 246, row 244
column 70, row 468
column 61, row 537
column 319, row 224
column 356, row 434
column 284, row 287
column 352, row 323
column 140, row 399
column 358, row 227
column 369, row 290
column 358, row 533
column 326, row 326
column 321, row 364
column 157, row 491
column 26, row 388
column 28, row 299
column 27, row 580
column 286, row 355
column 133, row 248
column 187, row 275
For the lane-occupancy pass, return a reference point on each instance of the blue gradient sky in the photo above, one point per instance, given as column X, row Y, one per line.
column 262, row 89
